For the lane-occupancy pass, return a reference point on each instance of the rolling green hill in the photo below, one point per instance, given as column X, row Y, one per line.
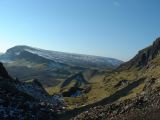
column 134, row 80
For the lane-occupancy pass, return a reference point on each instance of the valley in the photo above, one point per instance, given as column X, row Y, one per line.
column 89, row 93
column 61, row 72
column 79, row 60
column 134, row 81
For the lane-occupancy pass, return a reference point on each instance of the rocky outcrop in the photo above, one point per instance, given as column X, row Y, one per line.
column 37, row 92
column 22, row 101
column 131, row 109
column 144, row 56
column 15, row 105
column 3, row 72
column 145, row 103
column 75, row 85
column 122, row 84
column 79, row 78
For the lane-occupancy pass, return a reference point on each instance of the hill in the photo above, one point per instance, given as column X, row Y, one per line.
column 50, row 67
column 133, row 89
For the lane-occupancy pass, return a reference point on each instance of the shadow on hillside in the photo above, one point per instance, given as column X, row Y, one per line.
column 121, row 93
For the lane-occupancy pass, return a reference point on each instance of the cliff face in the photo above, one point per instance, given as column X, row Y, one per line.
column 26, row 101
column 130, row 99
column 144, row 56
column 3, row 72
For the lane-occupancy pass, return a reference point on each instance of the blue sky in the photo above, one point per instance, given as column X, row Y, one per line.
column 112, row 28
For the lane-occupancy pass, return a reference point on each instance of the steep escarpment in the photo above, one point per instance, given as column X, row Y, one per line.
column 144, row 57
column 128, row 99
column 3, row 72
column 20, row 101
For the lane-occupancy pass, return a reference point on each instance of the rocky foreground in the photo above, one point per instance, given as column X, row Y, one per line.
column 21, row 101
column 143, row 107
column 17, row 106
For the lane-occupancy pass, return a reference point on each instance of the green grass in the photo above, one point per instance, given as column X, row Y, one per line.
column 134, row 92
column 103, row 84
column 52, row 90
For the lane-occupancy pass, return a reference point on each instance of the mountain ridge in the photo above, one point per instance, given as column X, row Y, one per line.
column 49, row 50
column 50, row 67
column 65, row 57
column 144, row 56
column 132, row 91
column 137, row 103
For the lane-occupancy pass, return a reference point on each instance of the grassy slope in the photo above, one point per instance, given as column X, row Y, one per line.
column 96, row 93
column 107, row 93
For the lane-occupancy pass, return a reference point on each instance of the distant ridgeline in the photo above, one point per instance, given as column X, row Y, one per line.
column 51, row 67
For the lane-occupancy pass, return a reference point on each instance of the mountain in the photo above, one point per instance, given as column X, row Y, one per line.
column 132, row 90
column 50, row 67
column 60, row 58
column 145, row 56
column 23, row 101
